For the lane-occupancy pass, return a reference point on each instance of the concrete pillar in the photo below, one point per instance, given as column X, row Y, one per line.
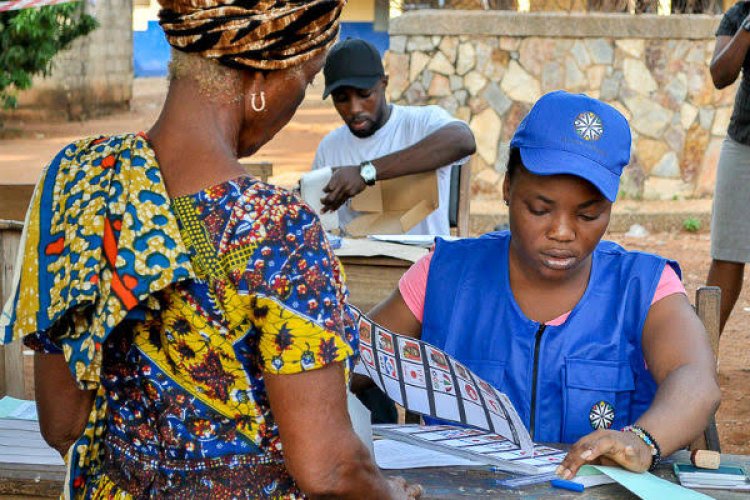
column 94, row 76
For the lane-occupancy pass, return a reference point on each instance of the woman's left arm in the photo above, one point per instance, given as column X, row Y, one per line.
column 63, row 407
column 680, row 359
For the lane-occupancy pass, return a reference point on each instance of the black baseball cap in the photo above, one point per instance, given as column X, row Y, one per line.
column 352, row 63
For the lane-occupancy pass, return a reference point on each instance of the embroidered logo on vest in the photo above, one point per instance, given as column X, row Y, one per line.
column 602, row 415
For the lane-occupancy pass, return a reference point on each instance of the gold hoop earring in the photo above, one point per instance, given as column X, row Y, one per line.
column 262, row 106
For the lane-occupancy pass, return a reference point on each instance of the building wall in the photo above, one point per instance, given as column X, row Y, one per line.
column 94, row 76
column 152, row 52
column 358, row 11
column 488, row 68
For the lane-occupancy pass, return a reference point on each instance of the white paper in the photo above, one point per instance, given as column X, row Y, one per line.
column 421, row 240
column 357, row 247
column 591, row 481
column 17, row 408
column 361, row 420
column 21, row 442
column 475, row 445
column 390, row 454
column 311, row 189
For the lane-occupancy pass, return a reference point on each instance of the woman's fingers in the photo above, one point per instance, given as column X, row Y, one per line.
column 415, row 491
column 401, row 490
column 620, row 448
column 333, row 199
column 589, row 450
column 586, row 450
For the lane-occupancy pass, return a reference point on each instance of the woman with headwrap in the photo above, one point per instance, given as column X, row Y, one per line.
column 190, row 323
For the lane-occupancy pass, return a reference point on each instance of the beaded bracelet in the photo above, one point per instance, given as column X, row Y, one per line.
column 647, row 438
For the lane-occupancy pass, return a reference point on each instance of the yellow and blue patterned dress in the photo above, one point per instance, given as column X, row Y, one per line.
column 173, row 310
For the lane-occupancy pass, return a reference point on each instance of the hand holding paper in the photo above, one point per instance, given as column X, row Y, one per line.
column 311, row 190
column 344, row 183
column 622, row 448
column 426, row 380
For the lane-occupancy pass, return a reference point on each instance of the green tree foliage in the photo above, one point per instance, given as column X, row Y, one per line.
column 29, row 39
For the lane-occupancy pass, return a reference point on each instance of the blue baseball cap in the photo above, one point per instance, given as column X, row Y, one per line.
column 577, row 135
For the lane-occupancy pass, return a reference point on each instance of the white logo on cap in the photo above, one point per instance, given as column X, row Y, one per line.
column 588, row 126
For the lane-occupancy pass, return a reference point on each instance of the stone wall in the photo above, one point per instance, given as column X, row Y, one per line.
column 94, row 76
column 488, row 68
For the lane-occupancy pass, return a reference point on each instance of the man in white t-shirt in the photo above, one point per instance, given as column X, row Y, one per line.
column 379, row 141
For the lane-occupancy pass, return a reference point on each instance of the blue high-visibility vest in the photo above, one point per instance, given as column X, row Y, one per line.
column 565, row 381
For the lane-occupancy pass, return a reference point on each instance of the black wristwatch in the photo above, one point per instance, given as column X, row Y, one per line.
column 746, row 24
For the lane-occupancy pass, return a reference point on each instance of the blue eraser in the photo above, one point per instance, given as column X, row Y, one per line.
column 335, row 241
column 566, row 485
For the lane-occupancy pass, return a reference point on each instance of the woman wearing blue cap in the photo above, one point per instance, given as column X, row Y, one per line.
column 586, row 338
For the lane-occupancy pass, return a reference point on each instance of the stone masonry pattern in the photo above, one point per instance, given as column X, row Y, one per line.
column 662, row 86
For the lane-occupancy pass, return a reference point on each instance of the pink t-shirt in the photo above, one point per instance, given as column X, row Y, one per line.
column 413, row 288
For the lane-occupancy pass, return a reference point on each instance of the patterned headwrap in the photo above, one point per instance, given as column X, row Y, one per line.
column 252, row 34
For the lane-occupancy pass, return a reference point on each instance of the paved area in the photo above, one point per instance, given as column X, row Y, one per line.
column 31, row 145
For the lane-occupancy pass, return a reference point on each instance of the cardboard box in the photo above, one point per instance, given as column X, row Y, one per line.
column 396, row 205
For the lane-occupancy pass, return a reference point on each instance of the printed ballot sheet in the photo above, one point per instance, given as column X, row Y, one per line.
column 426, row 380
column 465, row 444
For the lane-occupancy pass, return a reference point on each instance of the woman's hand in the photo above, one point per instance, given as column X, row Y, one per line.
column 605, row 447
column 401, row 490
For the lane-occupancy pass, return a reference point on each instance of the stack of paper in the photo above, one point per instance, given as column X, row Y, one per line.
column 470, row 445
column 420, row 240
column 726, row 477
column 17, row 409
column 20, row 439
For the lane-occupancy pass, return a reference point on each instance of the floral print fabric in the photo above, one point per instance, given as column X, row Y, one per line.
column 183, row 410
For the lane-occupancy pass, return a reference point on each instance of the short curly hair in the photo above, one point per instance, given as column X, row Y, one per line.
column 215, row 81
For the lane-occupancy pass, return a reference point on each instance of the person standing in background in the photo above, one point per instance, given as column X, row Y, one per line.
column 730, row 230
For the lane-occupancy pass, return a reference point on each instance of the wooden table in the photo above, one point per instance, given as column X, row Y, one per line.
column 462, row 482
column 372, row 279
column 373, row 269
column 260, row 169
column 31, row 481
column 438, row 483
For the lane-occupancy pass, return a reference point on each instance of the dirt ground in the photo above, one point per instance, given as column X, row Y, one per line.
column 28, row 146
column 692, row 251
column 292, row 151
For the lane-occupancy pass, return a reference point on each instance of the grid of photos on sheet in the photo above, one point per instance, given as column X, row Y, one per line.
column 481, row 444
column 426, row 380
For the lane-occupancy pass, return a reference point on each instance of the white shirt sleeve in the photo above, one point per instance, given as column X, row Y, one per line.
column 434, row 117
column 321, row 160
column 318, row 162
